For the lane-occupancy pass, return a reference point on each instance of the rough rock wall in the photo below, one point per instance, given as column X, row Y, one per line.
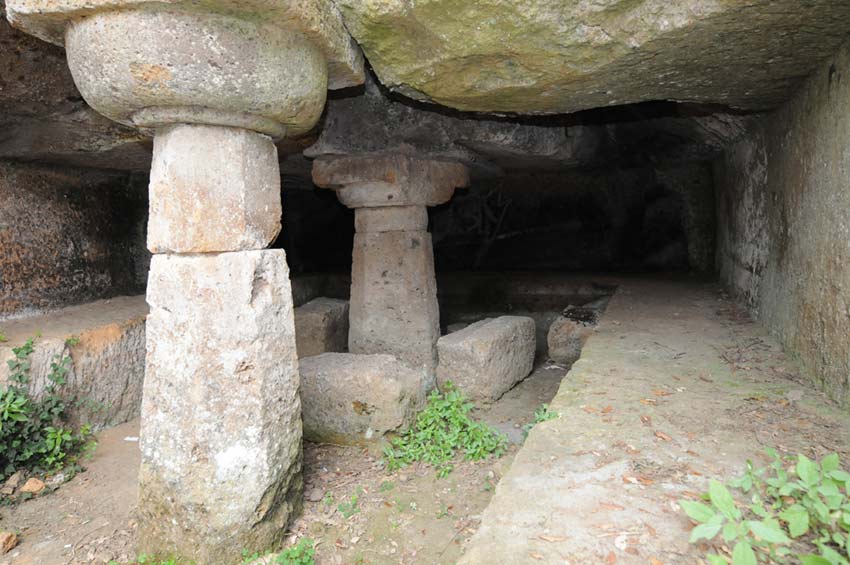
column 784, row 224
column 68, row 236
column 621, row 219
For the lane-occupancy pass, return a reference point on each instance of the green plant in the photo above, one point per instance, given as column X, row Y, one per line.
column 32, row 434
column 796, row 511
column 350, row 508
column 302, row 553
column 3, row 337
column 542, row 414
column 387, row 486
column 441, row 429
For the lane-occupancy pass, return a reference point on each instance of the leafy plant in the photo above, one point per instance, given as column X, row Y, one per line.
column 542, row 414
column 796, row 511
column 350, row 508
column 441, row 429
column 33, row 436
column 302, row 553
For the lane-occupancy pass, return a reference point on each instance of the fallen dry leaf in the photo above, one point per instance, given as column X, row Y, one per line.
column 607, row 506
column 8, row 540
column 650, row 401
column 661, row 392
column 646, row 420
column 654, row 561
column 536, row 556
column 551, row 539
column 612, row 558
column 607, row 409
column 662, row 436
column 589, row 409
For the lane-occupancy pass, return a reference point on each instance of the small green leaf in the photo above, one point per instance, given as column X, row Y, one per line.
column 743, row 554
column 716, row 559
column 797, row 518
column 723, row 501
column 807, row 470
column 704, row 531
column 813, row 560
column 830, row 463
column 730, row 532
column 767, row 532
column 697, row 511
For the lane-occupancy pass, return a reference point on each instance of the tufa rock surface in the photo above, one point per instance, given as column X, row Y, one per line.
column 557, row 56
column 354, row 399
column 221, row 416
column 321, row 326
column 486, row 359
column 213, row 189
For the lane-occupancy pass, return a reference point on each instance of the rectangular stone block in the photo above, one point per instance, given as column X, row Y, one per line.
column 354, row 399
column 487, row 358
column 105, row 344
column 394, row 306
column 213, row 189
column 321, row 326
column 221, row 417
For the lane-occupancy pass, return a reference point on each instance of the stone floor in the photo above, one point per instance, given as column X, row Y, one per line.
column 676, row 386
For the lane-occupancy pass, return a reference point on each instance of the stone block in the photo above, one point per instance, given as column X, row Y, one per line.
column 221, row 416
column 321, row 326
column 354, row 399
column 487, row 358
column 394, row 306
column 391, row 218
column 213, row 189
column 566, row 338
column 106, row 355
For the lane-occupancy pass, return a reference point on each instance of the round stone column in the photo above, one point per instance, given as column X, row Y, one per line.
column 214, row 85
column 394, row 306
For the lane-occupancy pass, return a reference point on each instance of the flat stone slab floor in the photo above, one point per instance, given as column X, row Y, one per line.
column 676, row 386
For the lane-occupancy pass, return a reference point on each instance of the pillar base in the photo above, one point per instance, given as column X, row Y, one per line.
column 221, row 416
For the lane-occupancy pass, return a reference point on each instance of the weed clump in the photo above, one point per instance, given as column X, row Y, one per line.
column 795, row 510
column 441, row 430
column 34, row 434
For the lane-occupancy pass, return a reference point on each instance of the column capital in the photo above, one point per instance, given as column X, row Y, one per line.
column 261, row 65
column 389, row 180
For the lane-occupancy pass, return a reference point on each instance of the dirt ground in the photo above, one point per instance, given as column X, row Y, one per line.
column 409, row 516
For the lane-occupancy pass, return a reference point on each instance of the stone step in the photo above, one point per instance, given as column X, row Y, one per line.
column 105, row 342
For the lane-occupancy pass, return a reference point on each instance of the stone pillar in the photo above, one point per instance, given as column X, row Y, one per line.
column 221, row 416
column 394, row 305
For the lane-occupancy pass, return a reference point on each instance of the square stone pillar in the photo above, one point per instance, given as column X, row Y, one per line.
column 394, row 305
column 394, row 308
column 221, row 416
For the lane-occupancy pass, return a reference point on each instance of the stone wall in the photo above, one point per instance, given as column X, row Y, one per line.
column 784, row 224
column 68, row 237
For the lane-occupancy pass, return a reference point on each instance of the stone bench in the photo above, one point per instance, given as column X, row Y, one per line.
column 321, row 326
column 487, row 358
column 107, row 357
column 354, row 399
